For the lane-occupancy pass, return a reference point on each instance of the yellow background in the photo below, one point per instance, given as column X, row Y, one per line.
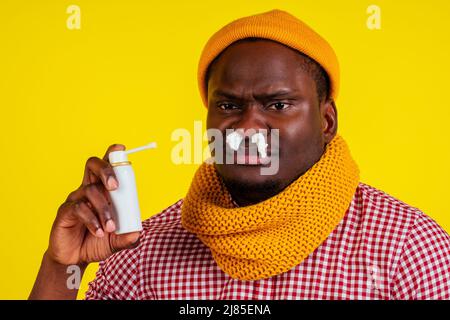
column 129, row 76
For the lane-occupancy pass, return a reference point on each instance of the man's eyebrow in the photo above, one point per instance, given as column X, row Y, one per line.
column 276, row 94
column 222, row 93
column 270, row 95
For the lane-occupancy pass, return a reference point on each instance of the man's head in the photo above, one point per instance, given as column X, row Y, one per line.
column 264, row 81
column 262, row 84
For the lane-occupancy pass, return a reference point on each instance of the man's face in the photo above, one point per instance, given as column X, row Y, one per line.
column 261, row 85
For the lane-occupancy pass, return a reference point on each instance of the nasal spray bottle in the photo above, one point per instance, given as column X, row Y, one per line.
column 125, row 199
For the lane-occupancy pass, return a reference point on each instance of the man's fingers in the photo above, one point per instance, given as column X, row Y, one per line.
column 75, row 195
column 101, row 205
column 88, row 218
column 113, row 147
column 97, row 169
column 103, row 171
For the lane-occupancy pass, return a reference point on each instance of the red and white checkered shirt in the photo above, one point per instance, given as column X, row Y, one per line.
column 382, row 249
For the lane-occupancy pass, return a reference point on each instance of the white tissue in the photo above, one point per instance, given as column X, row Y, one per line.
column 234, row 140
column 261, row 144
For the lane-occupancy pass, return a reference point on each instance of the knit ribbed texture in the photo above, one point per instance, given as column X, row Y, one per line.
column 271, row 237
column 276, row 25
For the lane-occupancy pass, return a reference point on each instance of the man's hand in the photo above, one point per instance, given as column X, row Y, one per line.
column 83, row 231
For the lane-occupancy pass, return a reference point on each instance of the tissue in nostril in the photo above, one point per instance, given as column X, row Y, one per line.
column 234, row 140
column 260, row 141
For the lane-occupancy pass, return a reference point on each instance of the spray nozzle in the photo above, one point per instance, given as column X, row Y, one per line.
column 122, row 156
column 148, row 146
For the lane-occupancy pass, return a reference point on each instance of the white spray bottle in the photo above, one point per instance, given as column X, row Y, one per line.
column 127, row 214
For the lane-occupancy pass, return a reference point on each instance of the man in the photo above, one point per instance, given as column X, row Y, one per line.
column 309, row 231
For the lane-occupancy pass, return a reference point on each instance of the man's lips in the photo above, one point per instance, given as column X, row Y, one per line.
column 250, row 159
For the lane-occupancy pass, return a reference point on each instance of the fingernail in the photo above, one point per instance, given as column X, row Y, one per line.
column 99, row 233
column 110, row 226
column 112, row 183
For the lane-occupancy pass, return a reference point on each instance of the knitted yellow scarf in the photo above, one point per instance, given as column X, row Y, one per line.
column 273, row 236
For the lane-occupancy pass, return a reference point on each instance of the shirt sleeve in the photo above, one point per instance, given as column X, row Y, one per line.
column 117, row 278
column 423, row 272
column 95, row 290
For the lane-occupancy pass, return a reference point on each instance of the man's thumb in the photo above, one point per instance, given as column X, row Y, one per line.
column 125, row 241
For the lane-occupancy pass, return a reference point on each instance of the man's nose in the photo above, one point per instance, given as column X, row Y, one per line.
column 251, row 119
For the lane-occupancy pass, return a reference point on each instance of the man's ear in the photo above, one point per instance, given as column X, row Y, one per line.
column 328, row 114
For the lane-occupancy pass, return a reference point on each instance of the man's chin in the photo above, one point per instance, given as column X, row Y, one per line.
column 247, row 177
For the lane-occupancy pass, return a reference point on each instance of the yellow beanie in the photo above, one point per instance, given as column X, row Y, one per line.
column 278, row 26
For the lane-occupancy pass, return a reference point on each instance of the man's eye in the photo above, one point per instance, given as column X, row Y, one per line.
column 278, row 106
column 227, row 106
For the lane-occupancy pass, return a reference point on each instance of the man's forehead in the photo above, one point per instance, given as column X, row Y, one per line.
column 275, row 85
column 257, row 65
